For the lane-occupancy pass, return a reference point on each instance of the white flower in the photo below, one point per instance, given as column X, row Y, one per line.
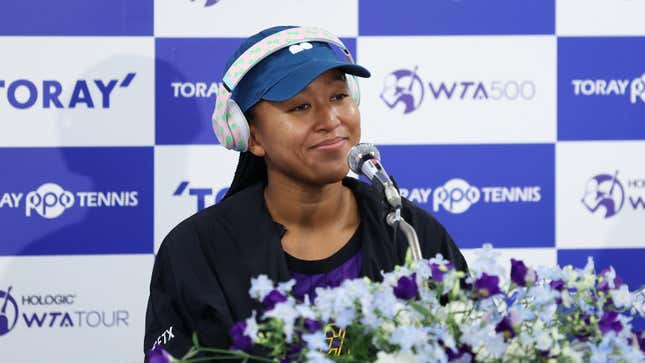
column 252, row 328
column 496, row 346
column 261, row 286
column 314, row 356
column 316, row 341
column 621, row 297
column 570, row 355
column 404, row 356
column 286, row 312
column 638, row 302
column 408, row 337
column 285, row 287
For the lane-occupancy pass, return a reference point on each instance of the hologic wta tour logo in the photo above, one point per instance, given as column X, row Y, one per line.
column 632, row 89
column 406, row 88
column 96, row 93
column 457, row 195
column 50, row 200
column 54, row 310
column 606, row 193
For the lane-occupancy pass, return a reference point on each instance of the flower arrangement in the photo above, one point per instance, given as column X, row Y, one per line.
column 426, row 311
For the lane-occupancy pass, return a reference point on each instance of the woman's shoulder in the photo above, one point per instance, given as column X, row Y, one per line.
column 220, row 219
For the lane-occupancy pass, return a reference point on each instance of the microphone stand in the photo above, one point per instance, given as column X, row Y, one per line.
column 395, row 220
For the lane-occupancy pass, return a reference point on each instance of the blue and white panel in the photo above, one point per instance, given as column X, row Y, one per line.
column 600, row 17
column 76, row 17
column 71, row 308
column 601, row 88
column 68, row 201
column 188, row 179
column 76, row 91
column 455, row 17
column 458, row 89
column 601, row 194
column 232, row 18
column 499, row 194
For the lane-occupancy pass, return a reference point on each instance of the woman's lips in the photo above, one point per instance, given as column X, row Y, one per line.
column 331, row 144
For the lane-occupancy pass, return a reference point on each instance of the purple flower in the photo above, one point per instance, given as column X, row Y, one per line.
column 406, row 288
column 487, row 285
column 272, row 299
column 608, row 322
column 438, row 270
column 557, row 285
column 157, row 355
column 506, row 328
column 240, row 341
column 520, row 274
column 640, row 337
column 312, row 325
column 293, row 352
column 604, row 284
column 461, row 350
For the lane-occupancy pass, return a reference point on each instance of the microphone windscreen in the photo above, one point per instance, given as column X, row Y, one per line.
column 359, row 153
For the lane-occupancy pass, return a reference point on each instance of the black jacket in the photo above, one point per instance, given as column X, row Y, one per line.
column 202, row 272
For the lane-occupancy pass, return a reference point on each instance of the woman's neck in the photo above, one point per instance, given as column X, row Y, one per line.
column 307, row 207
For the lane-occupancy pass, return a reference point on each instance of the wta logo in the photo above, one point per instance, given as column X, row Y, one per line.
column 606, row 193
column 208, row 2
column 404, row 89
column 8, row 311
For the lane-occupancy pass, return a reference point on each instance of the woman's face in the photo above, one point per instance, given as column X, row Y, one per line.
column 307, row 137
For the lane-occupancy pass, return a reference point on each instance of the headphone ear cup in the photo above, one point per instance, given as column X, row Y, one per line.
column 238, row 126
column 354, row 91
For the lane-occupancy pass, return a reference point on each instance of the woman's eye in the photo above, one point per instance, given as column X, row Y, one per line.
column 302, row 107
column 339, row 96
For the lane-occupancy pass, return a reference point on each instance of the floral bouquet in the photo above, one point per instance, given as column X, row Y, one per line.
column 426, row 311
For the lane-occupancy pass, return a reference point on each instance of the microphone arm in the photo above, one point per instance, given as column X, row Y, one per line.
column 365, row 159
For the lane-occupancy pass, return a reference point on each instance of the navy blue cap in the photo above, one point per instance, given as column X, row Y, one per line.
column 285, row 73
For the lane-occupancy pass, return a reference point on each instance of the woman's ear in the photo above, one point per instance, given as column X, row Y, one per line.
column 255, row 141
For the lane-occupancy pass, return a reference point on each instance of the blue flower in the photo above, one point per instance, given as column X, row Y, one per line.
column 272, row 299
column 487, row 285
column 406, row 288
column 240, row 340
column 157, row 355
column 438, row 270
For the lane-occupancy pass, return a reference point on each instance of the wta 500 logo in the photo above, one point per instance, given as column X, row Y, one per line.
column 405, row 89
column 24, row 94
column 50, row 200
column 457, row 195
column 633, row 89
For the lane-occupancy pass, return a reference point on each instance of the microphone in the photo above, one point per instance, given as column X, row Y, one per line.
column 365, row 159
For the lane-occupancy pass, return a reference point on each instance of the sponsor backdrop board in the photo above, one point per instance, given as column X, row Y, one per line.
column 519, row 124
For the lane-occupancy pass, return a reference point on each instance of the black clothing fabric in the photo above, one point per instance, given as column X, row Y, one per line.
column 203, row 269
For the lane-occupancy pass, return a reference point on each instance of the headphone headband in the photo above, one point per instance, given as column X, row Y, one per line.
column 272, row 44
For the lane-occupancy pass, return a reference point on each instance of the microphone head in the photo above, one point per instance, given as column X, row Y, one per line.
column 358, row 154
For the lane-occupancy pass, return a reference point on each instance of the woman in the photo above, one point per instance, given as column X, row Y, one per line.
column 290, row 211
